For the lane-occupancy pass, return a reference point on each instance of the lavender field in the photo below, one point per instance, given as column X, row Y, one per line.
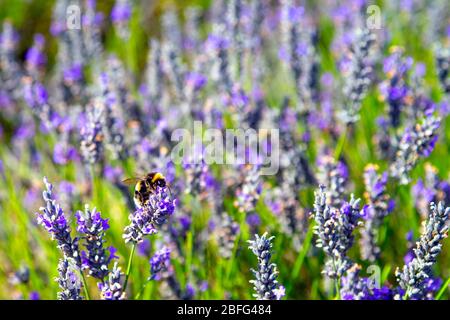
column 226, row 149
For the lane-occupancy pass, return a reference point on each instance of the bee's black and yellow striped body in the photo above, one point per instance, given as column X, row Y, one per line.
column 145, row 186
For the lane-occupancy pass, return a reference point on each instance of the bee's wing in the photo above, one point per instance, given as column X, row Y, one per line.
column 131, row 181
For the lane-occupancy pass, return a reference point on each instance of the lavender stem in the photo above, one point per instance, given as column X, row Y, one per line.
column 130, row 260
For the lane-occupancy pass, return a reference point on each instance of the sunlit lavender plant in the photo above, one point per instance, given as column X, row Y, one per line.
column 92, row 137
column 112, row 289
column 430, row 189
column 333, row 175
column 414, row 275
column 21, row 276
column 234, row 19
column 153, row 86
column 358, row 80
column 53, row 220
column 286, row 207
column 144, row 221
column 109, row 102
column 416, row 142
column 226, row 233
column 92, row 22
column 120, row 16
column 10, row 71
column 217, row 46
column 68, row 280
column 92, row 226
column 36, row 96
column 172, row 28
column 295, row 170
column 395, row 90
column 355, row 287
column 443, row 66
column 35, row 59
column 248, row 194
column 334, row 229
column 160, row 262
column 175, row 68
column 162, row 270
column 378, row 208
column 265, row 284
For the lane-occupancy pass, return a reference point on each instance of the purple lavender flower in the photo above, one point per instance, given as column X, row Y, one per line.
column 63, row 153
column 36, row 96
column 395, row 90
column 253, row 220
column 111, row 289
column 248, row 195
column 34, row 295
column 416, row 142
column 153, row 214
column 333, row 175
column 197, row 174
column 189, row 292
column 355, row 287
column 92, row 138
column 195, row 81
column 430, row 189
column 236, row 35
column 226, row 234
column 92, row 22
column 377, row 209
column 160, row 262
column 144, row 248
column 358, row 80
column 442, row 54
column 92, row 226
column 175, row 69
column 153, row 86
column 21, row 276
column 68, row 280
column 293, row 218
column 217, row 46
column 53, row 220
column 120, row 16
column 266, row 285
column 11, row 72
column 414, row 276
column 35, row 58
column 334, row 229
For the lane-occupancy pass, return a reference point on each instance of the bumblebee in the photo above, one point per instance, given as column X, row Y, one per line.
column 145, row 186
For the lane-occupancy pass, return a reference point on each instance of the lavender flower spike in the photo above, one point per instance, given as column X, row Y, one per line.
column 68, row 280
column 160, row 262
column 92, row 137
column 415, row 143
column 112, row 288
column 120, row 16
column 379, row 207
column 414, row 275
column 153, row 214
column 266, row 284
column 334, row 228
column 358, row 81
column 248, row 195
column 53, row 220
column 96, row 259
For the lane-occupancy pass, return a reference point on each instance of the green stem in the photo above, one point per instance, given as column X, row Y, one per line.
column 85, row 288
column 142, row 289
column 337, row 283
column 337, row 287
column 130, row 260
column 443, row 289
column 341, row 143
